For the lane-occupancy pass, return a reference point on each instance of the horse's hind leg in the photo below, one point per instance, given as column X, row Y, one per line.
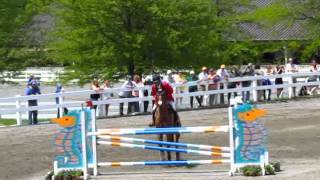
column 160, row 138
column 169, row 139
column 177, row 137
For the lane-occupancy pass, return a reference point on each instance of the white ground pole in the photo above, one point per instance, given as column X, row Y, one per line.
column 84, row 145
column 231, row 142
column 94, row 143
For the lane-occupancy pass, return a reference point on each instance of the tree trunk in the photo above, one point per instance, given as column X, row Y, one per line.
column 131, row 68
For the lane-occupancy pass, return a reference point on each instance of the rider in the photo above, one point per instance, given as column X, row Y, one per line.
column 166, row 87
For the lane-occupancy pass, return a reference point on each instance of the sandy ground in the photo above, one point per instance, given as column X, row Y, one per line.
column 294, row 136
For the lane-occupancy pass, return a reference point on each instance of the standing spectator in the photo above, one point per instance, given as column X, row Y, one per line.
column 192, row 77
column 259, row 72
column 290, row 69
column 224, row 75
column 248, row 71
column 279, row 70
column 213, row 85
column 137, row 93
column 106, row 95
column 203, row 76
column 60, row 89
column 33, row 89
column 179, row 79
column 234, row 72
column 267, row 82
column 169, row 77
column 129, row 85
column 313, row 68
column 147, row 82
column 96, row 96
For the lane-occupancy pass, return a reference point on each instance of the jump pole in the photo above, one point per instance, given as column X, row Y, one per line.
column 94, row 143
column 84, row 145
column 189, row 151
column 148, row 141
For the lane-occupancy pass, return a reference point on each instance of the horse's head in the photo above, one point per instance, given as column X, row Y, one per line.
column 161, row 98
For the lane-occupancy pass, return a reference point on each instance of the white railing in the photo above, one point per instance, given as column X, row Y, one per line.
column 43, row 74
column 17, row 106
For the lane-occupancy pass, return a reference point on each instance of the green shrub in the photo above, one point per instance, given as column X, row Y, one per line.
column 68, row 175
column 251, row 171
column 270, row 170
column 276, row 166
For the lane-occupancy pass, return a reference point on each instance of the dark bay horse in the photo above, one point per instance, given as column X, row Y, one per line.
column 165, row 118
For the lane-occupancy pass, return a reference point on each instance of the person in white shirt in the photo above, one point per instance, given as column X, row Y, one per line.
column 224, row 75
column 292, row 68
column 169, row 78
column 203, row 76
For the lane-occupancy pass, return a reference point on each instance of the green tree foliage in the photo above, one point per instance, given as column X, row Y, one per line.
column 15, row 15
column 101, row 40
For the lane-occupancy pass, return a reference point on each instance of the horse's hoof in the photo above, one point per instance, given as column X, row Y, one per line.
column 151, row 125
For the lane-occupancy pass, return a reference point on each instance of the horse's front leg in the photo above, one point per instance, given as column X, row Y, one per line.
column 177, row 137
column 160, row 138
column 169, row 139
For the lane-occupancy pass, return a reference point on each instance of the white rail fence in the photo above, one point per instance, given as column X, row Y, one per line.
column 17, row 108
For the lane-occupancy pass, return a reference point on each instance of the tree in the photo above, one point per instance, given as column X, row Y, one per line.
column 101, row 40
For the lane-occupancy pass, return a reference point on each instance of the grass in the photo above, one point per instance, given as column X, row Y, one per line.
column 9, row 122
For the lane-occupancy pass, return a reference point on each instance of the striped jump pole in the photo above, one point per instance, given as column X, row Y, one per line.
column 164, row 163
column 147, row 141
column 189, row 151
column 204, row 129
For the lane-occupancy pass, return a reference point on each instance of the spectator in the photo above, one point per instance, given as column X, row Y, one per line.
column 179, row 79
column 96, row 96
column 248, row 71
column 129, row 86
column 279, row 70
column 234, row 72
column 259, row 72
column 203, row 76
column 169, row 77
column 267, row 82
column 60, row 89
column 106, row 95
column 313, row 68
column 32, row 78
column 147, row 82
column 192, row 77
column 290, row 69
column 224, row 75
column 213, row 85
column 33, row 89
column 137, row 93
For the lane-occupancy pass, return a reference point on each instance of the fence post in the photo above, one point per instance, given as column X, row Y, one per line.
column 254, row 90
column 290, row 88
column 60, row 101
column 18, row 113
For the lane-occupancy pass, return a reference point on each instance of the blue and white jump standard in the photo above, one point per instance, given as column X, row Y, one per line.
column 112, row 137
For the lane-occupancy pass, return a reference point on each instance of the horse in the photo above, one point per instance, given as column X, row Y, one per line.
column 165, row 118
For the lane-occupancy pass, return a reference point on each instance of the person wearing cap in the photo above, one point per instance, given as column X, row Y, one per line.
column 191, row 78
column 33, row 89
column 167, row 88
column 203, row 76
column 224, row 75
